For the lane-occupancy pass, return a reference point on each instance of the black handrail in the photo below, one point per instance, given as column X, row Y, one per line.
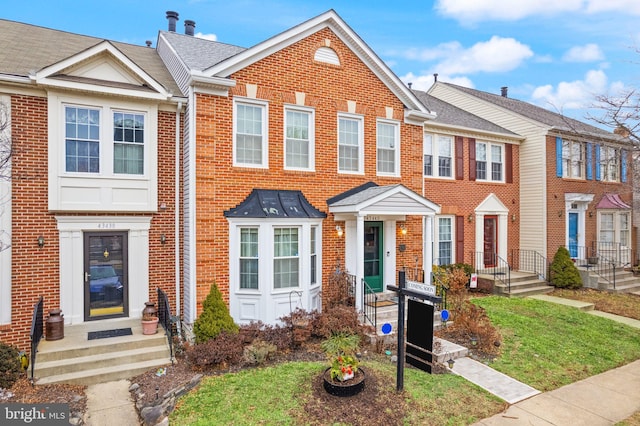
column 165, row 318
column 369, row 304
column 37, row 330
column 486, row 263
column 441, row 290
column 530, row 261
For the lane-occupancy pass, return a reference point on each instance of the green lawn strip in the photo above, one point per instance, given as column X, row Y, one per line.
column 546, row 345
column 256, row 396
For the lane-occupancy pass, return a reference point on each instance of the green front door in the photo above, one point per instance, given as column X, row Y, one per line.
column 373, row 261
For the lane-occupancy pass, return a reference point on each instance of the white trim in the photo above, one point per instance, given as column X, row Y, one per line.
column 71, row 251
column 396, row 148
column 492, row 206
column 311, row 140
column 360, row 120
column 488, row 161
column 6, row 224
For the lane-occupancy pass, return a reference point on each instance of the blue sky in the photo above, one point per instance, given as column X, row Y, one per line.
column 554, row 53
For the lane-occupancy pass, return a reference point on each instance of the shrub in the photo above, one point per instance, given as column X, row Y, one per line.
column 341, row 350
column 225, row 349
column 338, row 319
column 564, row 273
column 9, row 365
column 277, row 335
column 214, row 318
column 258, row 352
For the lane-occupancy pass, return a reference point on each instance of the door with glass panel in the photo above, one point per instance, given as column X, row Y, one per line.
column 373, row 261
column 105, row 275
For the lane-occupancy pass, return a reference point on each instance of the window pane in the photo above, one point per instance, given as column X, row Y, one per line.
column 444, row 240
column 249, row 134
column 286, row 264
column 297, row 143
column 249, row 258
column 314, row 256
column 387, row 145
column 82, row 143
column 348, row 143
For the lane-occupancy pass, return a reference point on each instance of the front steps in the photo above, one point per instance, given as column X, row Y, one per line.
column 77, row 360
column 523, row 284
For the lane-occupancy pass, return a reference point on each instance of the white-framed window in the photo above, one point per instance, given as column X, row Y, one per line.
column 489, row 162
column 248, row 258
column 573, row 159
column 614, row 227
column 388, row 148
column 609, row 164
column 350, row 144
column 438, row 156
column 128, row 143
column 299, row 140
column 250, row 133
column 444, row 239
column 286, row 258
column 313, row 241
column 82, row 139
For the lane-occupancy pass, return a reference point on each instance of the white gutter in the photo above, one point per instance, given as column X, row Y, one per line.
column 177, row 210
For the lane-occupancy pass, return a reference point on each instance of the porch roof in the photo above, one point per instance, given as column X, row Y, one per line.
column 273, row 203
column 612, row 201
column 370, row 199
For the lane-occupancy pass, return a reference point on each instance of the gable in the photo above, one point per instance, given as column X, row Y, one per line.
column 106, row 68
column 491, row 204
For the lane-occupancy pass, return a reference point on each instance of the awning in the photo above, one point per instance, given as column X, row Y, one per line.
column 612, row 201
column 273, row 203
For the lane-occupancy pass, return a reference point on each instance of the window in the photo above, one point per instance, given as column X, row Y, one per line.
column 609, row 164
column 314, row 255
column 388, row 148
column 445, row 240
column 286, row 259
column 350, row 141
column 250, row 140
column 489, row 162
column 438, row 156
column 573, row 159
column 249, row 258
column 128, row 147
column 299, row 137
column 614, row 228
column 82, row 140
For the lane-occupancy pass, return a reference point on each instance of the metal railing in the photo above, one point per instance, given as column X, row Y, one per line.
column 166, row 320
column 37, row 330
column 441, row 290
column 369, row 304
column 486, row 263
column 530, row 261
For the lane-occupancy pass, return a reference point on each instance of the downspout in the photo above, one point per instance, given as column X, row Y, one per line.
column 177, row 210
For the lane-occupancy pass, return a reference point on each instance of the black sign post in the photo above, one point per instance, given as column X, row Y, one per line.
column 414, row 292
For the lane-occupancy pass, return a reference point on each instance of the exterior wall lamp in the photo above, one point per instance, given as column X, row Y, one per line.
column 513, row 217
column 40, row 241
column 339, row 230
column 163, row 239
column 403, row 230
column 470, row 218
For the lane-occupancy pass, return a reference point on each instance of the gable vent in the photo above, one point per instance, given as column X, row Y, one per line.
column 327, row 55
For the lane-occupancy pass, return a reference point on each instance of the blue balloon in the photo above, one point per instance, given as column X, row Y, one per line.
column 444, row 314
column 386, row 328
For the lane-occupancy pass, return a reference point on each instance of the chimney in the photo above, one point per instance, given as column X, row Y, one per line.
column 503, row 91
column 435, row 77
column 189, row 27
column 173, row 18
column 410, row 84
column 148, row 43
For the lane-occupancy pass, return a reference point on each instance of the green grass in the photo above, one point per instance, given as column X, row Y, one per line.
column 544, row 345
column 547, row 345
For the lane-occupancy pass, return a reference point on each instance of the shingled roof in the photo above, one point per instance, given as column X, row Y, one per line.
column 197, row 53
column 29, row 48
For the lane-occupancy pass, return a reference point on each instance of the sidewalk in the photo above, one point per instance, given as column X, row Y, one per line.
column 110, row 404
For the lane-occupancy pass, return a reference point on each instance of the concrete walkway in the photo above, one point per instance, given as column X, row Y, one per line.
column 110, row 404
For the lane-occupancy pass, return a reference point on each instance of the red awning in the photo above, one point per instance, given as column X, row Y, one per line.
column 612, row 201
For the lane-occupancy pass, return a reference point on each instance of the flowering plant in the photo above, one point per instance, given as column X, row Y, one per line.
column 341, row 351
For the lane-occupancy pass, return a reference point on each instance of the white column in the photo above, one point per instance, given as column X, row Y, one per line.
column 359, row 260
column 427, row 251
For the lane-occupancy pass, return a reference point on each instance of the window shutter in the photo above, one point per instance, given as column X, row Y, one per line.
column 472, row 159
column 508, row 162
column 589, row 161
column 598, row 177
column 623, row 165
column 459, row 158
column 559, row 156
column 459, row 239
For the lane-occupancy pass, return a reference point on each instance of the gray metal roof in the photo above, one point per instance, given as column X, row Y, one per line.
column 539, row 114
column 29, row 48
column 272, row 203
column 200, row 54
column 451, row 115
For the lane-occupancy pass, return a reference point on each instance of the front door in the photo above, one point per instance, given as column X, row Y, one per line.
column 105, row 275
column 373, row 261
column 490, row 241
column 573, row 234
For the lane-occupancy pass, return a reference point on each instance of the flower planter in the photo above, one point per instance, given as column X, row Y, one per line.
column 345, row 388
column 150, row 326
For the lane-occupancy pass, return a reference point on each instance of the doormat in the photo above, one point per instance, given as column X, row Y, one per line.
column 381, row 303
column 103, row 334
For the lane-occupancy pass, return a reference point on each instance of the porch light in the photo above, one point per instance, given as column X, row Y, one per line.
column 339, row 230
column 40, row 241
column 470, row 218
column 403, row 230
column 163, row 239
column 450, row 362
column 513, row 217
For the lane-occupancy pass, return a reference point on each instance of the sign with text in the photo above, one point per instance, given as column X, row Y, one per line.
column 421, row 287
column 474, row 281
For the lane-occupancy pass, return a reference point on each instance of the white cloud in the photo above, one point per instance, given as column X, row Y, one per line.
column 573, row 94
column 473, row 11
column 496, row 55
column 424, row 81
column 211, row 37
column 587, row 53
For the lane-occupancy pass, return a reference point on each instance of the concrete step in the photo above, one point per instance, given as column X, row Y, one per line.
column 529, row 291
column 625, row 287
column 104, row 374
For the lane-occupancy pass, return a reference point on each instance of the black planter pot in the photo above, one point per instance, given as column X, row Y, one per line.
column 346, row 388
